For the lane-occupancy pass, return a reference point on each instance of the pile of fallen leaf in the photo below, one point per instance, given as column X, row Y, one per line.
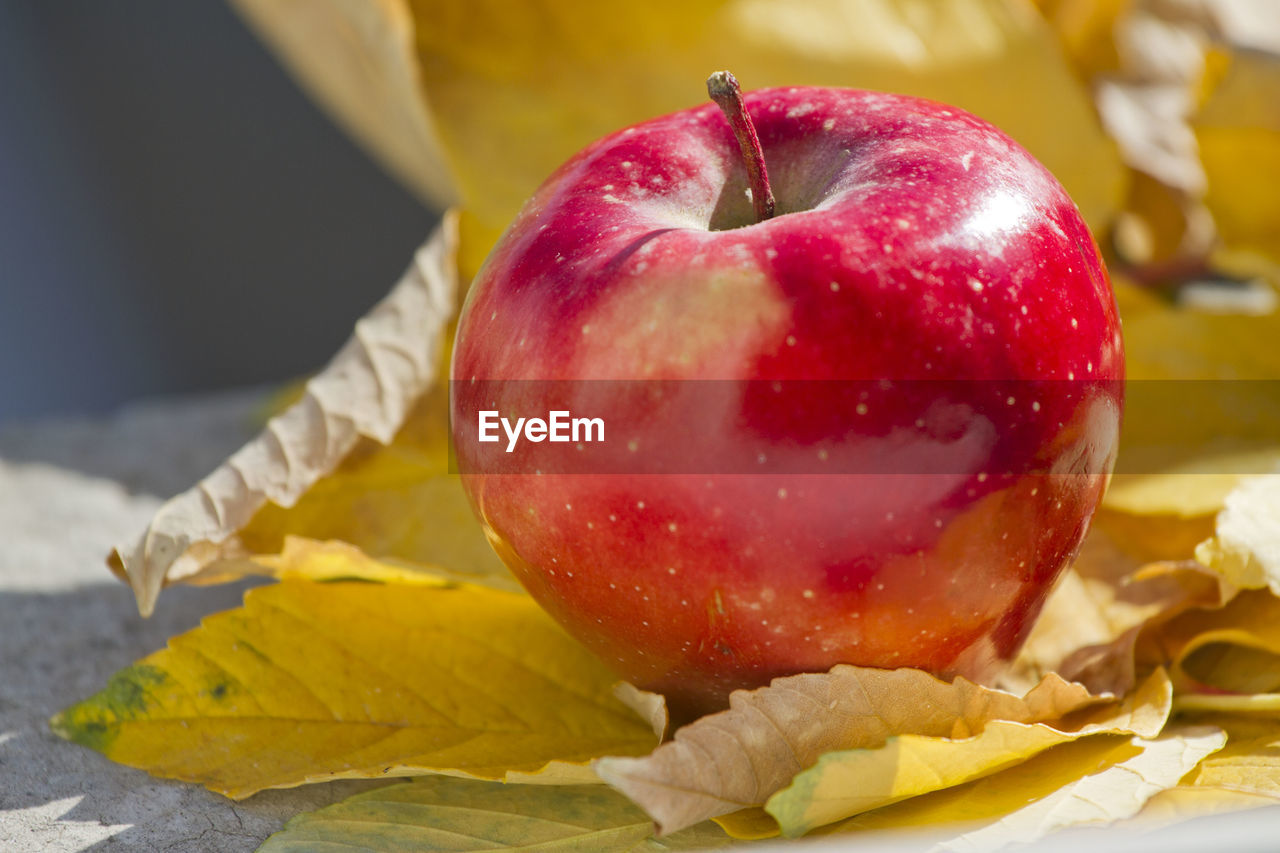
column 396, row 645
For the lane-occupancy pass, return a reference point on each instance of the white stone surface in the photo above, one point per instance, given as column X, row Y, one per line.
column 68, row 491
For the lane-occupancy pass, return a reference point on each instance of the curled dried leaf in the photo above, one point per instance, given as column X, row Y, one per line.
column 740, row 757
column 367, row 390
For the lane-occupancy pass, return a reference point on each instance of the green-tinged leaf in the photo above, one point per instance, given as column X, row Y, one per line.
column 315, row 681
column 843, row 784
column 441, row 813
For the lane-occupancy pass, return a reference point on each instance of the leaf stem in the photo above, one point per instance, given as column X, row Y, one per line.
column 724, row 90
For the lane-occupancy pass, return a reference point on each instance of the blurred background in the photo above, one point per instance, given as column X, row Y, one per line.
column 145, row 143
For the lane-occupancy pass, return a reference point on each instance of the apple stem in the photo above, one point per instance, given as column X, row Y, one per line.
column 724, row 90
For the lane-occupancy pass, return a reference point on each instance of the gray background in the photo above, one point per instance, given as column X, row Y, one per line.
column 175, row 216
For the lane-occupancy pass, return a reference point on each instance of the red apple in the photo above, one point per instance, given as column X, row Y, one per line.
column 883, row 417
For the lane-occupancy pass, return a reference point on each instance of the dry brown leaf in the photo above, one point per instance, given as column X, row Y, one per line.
column 740, row 757
column 1091, row 624
column 366, row 390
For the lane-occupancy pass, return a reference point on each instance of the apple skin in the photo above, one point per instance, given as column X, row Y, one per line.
column 913, row 242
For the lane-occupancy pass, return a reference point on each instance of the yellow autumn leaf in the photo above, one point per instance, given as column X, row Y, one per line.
column 1202, row 413
column 1249, row 763
column 740, row 757
column 315, row 681
column 1245, row 549
column 1238, row 132
column 1187, row 802
column 1089, row 782
column 1085, row 28
column 843, row 784
column 442, row 813
column 1236, row 648
column 505, row 93
column 309, row 559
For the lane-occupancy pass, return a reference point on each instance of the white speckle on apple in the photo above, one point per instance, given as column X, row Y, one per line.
column 888, row 249
column 829, row 124
column 937, row 522
column 861, row 408
column 1071, row 374
column 637, row 587
column 1075, row 324
column 612, row 518
column 835, row 287
column 1035, row 407
column 791, row 340
column 612, row 199
column 782, row 494
column 1023, row 309
column 808, row 593
column 569, row 507
column 1089, row 367
column 879, row 586
column 671, row 527
column 975, row 285
column 919, row 423
column 632, row 446
column 613, row 586
column 586, row 330
column 684, row 602
column 771, row 253
column 822, row 454
column 591, row 525
column 761, row 459
column 982, row 478
column 966, row 160
column 671, row 570
column 639, row 504
column 1010, row 401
